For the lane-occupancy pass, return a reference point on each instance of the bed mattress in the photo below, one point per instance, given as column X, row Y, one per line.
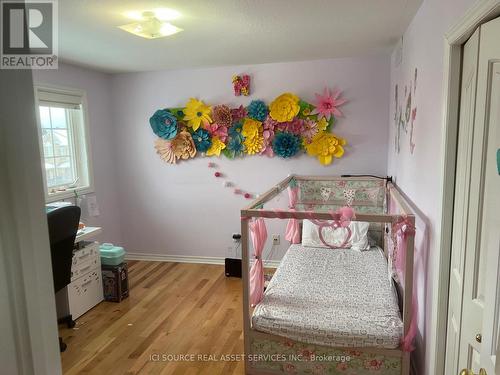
column 340, row 298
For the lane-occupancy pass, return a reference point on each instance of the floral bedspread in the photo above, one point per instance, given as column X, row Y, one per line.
column 291, row 357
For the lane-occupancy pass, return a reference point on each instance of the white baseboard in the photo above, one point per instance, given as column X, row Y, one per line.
column 187, row 259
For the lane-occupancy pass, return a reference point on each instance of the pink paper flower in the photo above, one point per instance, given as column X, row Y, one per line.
column 309, row 129
column 327, row 104
column 267, row 148
column 217, row 130
column 238, row 113
column 295, row 126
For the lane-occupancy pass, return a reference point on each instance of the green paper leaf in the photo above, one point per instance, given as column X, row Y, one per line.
column 228, row 153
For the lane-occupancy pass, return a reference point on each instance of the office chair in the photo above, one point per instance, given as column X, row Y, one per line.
column 63, row 225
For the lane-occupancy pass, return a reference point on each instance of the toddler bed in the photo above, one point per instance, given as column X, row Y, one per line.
column 330, row 309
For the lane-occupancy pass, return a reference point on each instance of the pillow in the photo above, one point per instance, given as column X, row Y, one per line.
column 358, row 241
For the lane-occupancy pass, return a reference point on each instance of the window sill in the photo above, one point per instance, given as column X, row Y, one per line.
column 69, row 193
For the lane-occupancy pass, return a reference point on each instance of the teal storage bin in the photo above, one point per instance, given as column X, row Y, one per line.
column 111, row 255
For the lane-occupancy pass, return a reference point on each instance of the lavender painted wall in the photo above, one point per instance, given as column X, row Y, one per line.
column 182, row 209
column 419, row 175
column 97, row 87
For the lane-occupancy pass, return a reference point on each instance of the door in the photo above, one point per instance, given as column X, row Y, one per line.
column 473, row 314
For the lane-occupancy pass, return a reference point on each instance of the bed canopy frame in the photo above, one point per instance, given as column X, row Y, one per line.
column 387, row 214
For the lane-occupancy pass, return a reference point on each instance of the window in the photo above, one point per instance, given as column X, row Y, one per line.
column 64, row 142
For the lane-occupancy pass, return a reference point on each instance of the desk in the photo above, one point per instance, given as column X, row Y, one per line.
column 87, row 233
column 85, row 290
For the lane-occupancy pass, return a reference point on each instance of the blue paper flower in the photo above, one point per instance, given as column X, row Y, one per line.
column 235, row 130
column 235, row 145
column 202, row 140
column 286, row 145
column 164, row 124
column 257, row 110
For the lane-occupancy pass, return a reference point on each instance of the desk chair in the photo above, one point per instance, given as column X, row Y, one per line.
column 63, row 225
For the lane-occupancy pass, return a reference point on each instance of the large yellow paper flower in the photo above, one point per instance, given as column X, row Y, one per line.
column 216, row 147
column 253, row 145
column 325, row 146
column 251, row 128
column 196, row 112
column 284, row 108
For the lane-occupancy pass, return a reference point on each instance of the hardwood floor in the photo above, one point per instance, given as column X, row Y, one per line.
column 173, row 309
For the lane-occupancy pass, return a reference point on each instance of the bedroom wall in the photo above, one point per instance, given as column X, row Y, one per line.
column 419, row 174
column 182, row 209
column 97, row 85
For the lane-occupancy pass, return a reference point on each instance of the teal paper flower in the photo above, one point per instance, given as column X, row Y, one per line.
column 257, row 110
column 286, row 145
column 235, row 145
column 235, row 130
column 164, row 124
column 202, row 140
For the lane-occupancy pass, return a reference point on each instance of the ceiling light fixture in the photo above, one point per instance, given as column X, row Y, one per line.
column 152, row 24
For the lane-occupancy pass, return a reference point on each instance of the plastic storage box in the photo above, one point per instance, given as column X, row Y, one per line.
column 111, row 255
column 115, row 282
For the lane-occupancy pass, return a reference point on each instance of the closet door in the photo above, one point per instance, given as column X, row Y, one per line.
column 488, row 244
column 474, row 306
column 462, row 217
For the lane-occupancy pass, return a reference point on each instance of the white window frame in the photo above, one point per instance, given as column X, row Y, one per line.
column 77, row 143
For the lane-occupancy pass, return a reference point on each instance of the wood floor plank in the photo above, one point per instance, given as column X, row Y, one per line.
column 173, row 310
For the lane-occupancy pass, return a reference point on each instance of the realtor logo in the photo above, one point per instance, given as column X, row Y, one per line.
column 28, row 34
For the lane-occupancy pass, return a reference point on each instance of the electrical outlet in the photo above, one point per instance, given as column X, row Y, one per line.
column 276, row 239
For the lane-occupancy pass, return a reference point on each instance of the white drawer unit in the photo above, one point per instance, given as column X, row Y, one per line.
column 85, row 292
column 85, row 260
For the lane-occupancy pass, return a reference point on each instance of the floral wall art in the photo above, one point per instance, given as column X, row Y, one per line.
column 285, row 128
column 405, row 113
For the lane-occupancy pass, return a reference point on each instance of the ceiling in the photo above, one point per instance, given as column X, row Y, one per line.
column 230, row 32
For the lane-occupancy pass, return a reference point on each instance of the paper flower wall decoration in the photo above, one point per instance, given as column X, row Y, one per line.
column 251, row 128
column 254, row 144
column 289, row 126
column 235, row 147
column 164, row 124
column 328, row 103
column 241, row 85
column 197, row 113
column 257, row 110
column 285, row 107
column 325, row 146
column 286, row 145
column 183, row 145
column 216, row 147
column 239, row 113
column 164, row 149
column 202, row 140
column 221, row 115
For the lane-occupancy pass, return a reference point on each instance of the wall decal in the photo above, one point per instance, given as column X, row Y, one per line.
column 404, row 122
column 287, row 127
column 241, row 85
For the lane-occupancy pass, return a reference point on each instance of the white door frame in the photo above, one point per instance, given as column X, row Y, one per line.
column 481, row 12
column 28, row 320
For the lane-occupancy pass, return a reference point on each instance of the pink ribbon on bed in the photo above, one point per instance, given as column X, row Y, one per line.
column 401, row 229
column 292, row 233
column 340, row 219
column 258, row 233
